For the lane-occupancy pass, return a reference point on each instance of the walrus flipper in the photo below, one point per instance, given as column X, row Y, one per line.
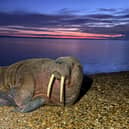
column 23, row 95
column 6, row 100
column 31, row 105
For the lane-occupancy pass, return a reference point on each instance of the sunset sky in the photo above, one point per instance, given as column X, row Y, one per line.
column 79, row 19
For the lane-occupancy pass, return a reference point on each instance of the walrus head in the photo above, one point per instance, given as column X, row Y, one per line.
column 71, row 79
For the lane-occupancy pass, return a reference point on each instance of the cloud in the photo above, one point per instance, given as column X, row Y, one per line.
column 107, row 10
column 29, row 19
column 122, row 11
column 65, row 22
column 127, row 35
column 67, row 11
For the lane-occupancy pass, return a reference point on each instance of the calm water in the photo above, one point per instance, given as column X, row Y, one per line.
column 97, row 56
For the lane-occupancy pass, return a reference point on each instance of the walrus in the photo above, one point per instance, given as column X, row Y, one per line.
column 31, row 83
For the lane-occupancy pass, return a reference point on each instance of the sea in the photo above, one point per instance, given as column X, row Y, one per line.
column 96, row 56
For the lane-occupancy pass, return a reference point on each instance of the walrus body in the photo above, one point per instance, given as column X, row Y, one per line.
column 25, row 83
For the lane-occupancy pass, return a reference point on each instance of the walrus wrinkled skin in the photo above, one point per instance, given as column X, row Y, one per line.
column 25, row 84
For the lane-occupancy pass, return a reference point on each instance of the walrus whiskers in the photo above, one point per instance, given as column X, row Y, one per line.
column 50, row 85
column 62, row 88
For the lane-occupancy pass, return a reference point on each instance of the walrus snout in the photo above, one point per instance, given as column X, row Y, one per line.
column 61, row 68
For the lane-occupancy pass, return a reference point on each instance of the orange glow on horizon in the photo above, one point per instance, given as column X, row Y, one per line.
column 68, row 33
column 63, row 37
column 56, row 33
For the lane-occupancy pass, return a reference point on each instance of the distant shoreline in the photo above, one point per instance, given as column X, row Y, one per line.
column 107, row 74
column 61, row 38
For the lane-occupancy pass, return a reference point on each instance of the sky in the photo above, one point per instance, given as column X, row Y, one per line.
column 76, row 19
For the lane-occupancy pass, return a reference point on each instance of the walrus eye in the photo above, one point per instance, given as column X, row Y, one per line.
column 58, row 62
column 61, row 86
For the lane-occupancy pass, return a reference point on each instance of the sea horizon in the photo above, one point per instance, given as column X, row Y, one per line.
column 96, row 56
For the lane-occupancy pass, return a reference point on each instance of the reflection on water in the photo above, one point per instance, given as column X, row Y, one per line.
column 96, row 55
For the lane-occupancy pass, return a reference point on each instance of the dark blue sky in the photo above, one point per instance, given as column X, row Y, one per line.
column 99, row 19
column 51, row 6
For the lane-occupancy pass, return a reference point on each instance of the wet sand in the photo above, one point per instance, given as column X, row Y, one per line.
column 103, row 104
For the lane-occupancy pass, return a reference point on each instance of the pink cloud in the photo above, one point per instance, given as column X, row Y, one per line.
column 73, row 33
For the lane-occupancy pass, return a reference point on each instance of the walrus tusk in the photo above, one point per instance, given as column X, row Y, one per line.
column 50, row 85
column 62, row 88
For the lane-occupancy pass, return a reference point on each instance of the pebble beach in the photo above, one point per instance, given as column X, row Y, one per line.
column 103, row 104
